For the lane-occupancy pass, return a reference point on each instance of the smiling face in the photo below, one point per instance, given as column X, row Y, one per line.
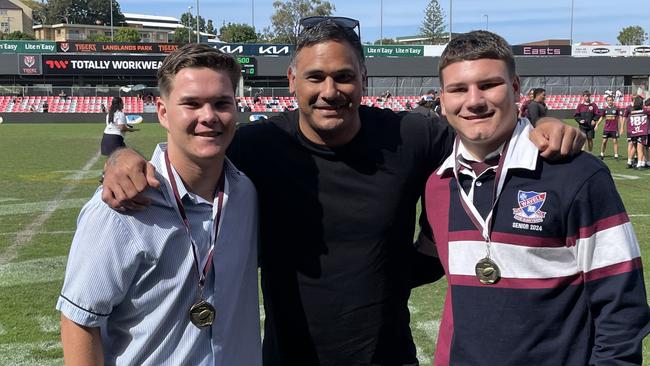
column 478, row 97
column 199, row 115
column 328, row 83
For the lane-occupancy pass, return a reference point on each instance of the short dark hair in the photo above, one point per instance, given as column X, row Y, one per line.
column 586, row 92
column 538, row 91
column 637, row 103
column 196, row 55
column 647, row 102
column 477, row 45
column 326, row 31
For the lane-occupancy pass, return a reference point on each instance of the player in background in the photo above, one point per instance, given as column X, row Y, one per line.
column 586, row 114
column 637, row 133
column 523, row 110
column 613, row 126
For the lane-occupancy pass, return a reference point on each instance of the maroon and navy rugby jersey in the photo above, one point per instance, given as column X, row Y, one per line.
column 611, row 115
column 587, row 113
column 571, row 290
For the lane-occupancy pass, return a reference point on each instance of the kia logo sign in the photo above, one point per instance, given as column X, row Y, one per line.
column 642, row 49
column 600, row 50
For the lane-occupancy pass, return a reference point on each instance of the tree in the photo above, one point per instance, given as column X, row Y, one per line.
column 189, row 20
column 237, row 33
column 17, row 35
column 78, row 12
column 289, row 12
column 385, row 41
column 433, row 25
column 632, row 35
column 210, row 27
column 98, row 38
column 125, row 34
column 182, row 35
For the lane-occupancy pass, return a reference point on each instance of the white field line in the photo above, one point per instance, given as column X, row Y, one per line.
column 26, row 273
column 639, row 215
column 26, row 235
column 48, row 324
column 7, row 199
column 43, row 206
column 19, row 354
column 61, row 232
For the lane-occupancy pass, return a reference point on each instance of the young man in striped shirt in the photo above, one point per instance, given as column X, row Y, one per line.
column 542, row 270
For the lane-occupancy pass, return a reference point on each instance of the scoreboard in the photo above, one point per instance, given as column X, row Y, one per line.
column 248, row 65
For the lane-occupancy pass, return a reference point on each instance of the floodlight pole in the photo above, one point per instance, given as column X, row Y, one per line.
column 189, row 24
column 198, row 34
column 487, row 22
column 253, row 14
column 450, row 22
column 381, row 22
column 111, row 2
column 571, row 35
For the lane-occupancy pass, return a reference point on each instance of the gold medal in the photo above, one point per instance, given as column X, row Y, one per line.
column 487, row 271
column 202, row 314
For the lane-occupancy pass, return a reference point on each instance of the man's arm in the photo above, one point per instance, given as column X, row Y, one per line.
column 555, row 139
column 126, row 176
column 608, row 255
column 81, row 345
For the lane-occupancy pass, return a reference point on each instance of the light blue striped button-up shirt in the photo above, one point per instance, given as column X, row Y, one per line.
column 133, row 275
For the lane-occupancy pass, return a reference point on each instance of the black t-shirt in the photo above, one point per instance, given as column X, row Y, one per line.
column 336, row 231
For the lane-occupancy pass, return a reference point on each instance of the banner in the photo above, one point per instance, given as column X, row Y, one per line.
column 115, row 47
column 393, row 51
column 640, row 50
column 522, row 50
column 611, row 51
column 434, row 50
column 27, row 47
column 249, row 49
column 113, row 65
column 75, row 64
column 29, row 65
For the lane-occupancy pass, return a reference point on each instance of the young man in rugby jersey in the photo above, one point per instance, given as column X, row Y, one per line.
column 542, row 270
column 613, row 127
column 586, row 114
column 637, row 119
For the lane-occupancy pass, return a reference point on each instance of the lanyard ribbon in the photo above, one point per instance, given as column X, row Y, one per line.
column 484, row 226
column 206, row 263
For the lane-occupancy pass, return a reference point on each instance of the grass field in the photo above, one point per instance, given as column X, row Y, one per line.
column 47, row 172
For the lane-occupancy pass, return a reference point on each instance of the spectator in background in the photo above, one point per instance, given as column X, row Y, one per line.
column 116, row 127
column 386, row 95
column 586, row 115
column 618, row 96
column 425, row 107
column 537, row 107
column 46, row 106
column 102, row 108
column 523, row 109
column 63, row 95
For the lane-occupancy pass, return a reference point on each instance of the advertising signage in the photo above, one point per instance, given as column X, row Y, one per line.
column 27, row 47
column 610, row 51
column 249, row 49
column 522, row 50
column 112, row 65
column 75, row 64
column 393, row 51
column 115, row 47
column 29, row 64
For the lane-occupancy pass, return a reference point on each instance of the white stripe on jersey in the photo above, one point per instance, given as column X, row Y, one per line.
column 611, row 246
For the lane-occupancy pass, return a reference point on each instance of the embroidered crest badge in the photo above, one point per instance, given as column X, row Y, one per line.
column 530, row 204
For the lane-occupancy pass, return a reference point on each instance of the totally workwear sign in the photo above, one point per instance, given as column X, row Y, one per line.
column 101, row 65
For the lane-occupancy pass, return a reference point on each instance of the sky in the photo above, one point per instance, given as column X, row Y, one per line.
column 518, row 22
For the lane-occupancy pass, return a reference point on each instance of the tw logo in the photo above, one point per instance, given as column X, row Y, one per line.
column 56, row 64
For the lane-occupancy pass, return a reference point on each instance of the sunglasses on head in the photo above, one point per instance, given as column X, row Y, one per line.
column 343, row 22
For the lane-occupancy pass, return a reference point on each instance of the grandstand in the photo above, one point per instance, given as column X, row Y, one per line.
column 266, row 104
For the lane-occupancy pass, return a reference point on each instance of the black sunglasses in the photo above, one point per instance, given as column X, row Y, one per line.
column 343, row 22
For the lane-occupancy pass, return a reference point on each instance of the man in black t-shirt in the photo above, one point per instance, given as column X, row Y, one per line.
column 537, row 107
column 338, row 185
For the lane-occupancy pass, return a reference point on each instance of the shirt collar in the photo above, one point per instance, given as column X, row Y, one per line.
column 158, row 161
column 522, row 153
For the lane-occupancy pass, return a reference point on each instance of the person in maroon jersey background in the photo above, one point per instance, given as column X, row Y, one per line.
column 586, row 115
column 613, row 126
column 523, row 110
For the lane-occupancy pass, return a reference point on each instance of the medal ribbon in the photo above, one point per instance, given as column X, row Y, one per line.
column 206, row 264
column 484, row 226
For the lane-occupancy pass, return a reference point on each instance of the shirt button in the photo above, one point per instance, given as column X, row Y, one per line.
column 478, row 184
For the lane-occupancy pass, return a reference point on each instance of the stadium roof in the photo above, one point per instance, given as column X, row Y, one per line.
column 153, row 18
column 170, row 26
